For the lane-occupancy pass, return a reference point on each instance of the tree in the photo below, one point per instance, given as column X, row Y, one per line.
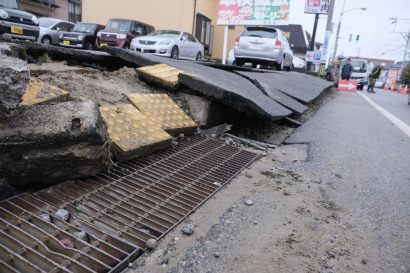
column 405, row 75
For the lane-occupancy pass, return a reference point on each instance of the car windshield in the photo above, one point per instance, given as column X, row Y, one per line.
column 165, row 33
column 86, row 28
column 9, row 3
column 47, row 22
column 260, row 32
column 119, row 25
column 359, row 66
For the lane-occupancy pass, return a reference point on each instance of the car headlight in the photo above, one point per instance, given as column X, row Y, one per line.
column 121, row 36
column 61, row 35
column 3, row 14
column 99, row 34
column 35, row 20
column 80, row 37
column 165, row 43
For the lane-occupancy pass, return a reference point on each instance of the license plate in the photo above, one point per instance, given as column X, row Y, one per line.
column 66, row 42
column 255, row 47
column 16, row 30
column 103, row 44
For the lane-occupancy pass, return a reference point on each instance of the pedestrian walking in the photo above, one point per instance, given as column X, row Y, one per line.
column 347, row 70
column 376, row 72
column 329, row 72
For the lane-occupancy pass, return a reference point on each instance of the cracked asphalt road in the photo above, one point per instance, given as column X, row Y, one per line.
column 350, row 139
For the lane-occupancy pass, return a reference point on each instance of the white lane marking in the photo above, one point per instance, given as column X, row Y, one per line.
column 396, row 121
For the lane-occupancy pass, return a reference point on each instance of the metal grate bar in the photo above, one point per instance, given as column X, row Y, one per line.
column 116, row 212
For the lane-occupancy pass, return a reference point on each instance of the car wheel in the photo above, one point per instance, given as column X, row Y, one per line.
column 199, row 57
column 126, row 47
column 89, row 46
column 280, row 66
column 175, row 53
column 46, row 40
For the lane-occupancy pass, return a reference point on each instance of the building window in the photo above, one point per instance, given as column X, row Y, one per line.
column 204, row 32
column 74, row 11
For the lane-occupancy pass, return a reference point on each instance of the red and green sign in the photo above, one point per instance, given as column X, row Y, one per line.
column 253, row 12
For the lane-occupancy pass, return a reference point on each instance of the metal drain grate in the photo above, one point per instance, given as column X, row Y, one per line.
column 112, row 215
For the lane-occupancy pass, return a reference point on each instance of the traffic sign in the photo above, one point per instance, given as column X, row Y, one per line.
column 345, row 85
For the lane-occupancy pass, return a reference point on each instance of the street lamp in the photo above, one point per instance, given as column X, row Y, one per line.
column 338, row 29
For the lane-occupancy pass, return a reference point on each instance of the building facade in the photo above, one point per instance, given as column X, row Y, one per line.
column 194, row 16
column 69, row 10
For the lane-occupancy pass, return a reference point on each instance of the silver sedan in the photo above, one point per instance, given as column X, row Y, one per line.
column 170, row 43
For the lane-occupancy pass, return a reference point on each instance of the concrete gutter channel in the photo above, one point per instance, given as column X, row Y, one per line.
column 103, row 222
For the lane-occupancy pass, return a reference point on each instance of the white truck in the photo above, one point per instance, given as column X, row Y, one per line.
column 360, row 72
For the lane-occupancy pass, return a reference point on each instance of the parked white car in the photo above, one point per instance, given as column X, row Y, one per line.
column 298, row 62
column 264, row 46
column 50, row 30
column 170, row 43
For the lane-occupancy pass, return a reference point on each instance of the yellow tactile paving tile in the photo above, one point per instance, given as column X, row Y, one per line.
column 161, row 109
column 39, row 92
column 161, row 74
column 133, row 133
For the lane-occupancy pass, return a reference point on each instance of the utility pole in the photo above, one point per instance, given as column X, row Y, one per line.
column 326, row 42
column 405, row 35
column 312, row 40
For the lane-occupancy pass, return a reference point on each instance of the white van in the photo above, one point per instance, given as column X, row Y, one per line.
column 360, row 72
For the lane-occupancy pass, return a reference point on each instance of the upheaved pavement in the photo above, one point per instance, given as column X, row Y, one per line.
column 297, row 85
column 228, row 88
column 271, row 94
column 265, row 82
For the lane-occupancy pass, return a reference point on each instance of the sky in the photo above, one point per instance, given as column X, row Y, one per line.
column 377, row 37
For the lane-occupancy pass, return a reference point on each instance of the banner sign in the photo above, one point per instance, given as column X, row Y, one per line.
column 317, row 6
column 325, row 49
column 253, row 12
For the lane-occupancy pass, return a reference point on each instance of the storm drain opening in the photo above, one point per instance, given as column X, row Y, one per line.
column 100, row 224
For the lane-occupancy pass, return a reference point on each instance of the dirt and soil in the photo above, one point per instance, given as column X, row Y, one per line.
column 292, row 226
column 83, row 83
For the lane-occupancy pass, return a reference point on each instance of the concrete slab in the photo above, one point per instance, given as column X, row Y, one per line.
column 300, row 86
column 264, row 81
column 228, row 88
column 132, row 133
column 50, row 143
column 14, row 79
column 39, row 92
column 161, row 109
column 160, row 74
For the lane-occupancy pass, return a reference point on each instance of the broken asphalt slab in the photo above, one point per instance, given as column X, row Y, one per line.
column 263, row 80
column 300, row 86
column 228, row 88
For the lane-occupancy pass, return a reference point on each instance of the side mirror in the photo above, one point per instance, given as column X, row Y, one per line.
column 58, row 29
column 292, row 46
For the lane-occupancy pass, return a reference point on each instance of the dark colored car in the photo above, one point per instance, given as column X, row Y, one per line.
column 120, row 32
column 83, row 36
column 17, row 23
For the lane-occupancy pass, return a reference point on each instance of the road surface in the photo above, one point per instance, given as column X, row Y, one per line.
column 351, row 139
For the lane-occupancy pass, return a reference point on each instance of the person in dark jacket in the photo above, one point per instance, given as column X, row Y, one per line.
column 374, row 76
column 347, row 70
